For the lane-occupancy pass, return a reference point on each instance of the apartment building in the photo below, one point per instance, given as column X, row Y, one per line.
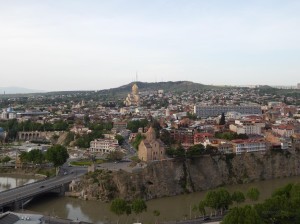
column 216, row 110
column 249, row 145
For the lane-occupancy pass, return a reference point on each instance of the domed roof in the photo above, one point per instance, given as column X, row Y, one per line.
column 135, row 88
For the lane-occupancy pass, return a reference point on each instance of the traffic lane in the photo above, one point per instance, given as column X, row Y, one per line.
column 25, row 191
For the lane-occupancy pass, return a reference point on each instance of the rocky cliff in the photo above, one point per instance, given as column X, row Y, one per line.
column 173, row 177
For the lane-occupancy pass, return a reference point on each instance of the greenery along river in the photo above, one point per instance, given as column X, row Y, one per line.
column 170, row 208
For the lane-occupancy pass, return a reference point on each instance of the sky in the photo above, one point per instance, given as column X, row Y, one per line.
column 99, row 44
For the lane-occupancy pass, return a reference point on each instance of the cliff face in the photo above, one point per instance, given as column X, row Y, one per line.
column 173, row 177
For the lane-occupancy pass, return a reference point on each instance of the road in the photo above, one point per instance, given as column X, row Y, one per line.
column 30, row 190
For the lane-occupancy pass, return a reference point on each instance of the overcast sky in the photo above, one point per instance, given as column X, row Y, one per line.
column 90, row 45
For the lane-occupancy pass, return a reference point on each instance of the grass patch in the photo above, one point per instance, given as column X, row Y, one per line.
column 47, row 172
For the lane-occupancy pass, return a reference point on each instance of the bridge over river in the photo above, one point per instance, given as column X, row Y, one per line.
column 18, row 197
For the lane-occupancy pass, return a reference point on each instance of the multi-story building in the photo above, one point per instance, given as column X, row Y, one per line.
column 120, row 125
column 185, row 136
column 249, row 145
column 283, row 130
column 216, row 110
column 247, row 127
column 104, row 145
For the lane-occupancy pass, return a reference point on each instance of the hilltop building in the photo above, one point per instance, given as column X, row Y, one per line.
column 133, row 98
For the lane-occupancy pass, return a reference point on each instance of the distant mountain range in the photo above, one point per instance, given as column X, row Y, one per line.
column 17, row 90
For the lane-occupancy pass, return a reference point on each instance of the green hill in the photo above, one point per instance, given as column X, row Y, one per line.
column 178, row 86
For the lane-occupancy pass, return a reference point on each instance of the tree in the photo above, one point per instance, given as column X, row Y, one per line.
column 119, row 206
column 238, row 197
column 115, row 156
column 201, row 208
column 211, row 200
column 57, row 154
column 156, row 213
column 246, row 214
column 224, row 199
column 138, row 206
column 222, row 120
column 253, row 194
column 120, row 139
column 6, row 159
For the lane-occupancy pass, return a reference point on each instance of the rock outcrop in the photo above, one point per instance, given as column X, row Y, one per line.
column 178, row 176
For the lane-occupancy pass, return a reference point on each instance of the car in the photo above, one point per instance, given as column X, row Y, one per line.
column 42, row 186
column 65, row 173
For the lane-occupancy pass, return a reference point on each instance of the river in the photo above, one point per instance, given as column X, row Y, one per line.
column 8, row 181
column 170, row 208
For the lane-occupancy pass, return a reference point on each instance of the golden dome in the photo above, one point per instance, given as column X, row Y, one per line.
column 135, row 89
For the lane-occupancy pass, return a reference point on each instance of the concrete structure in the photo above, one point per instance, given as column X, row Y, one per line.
column 151, row 149
column 37, row 135
column 216, row 110
column 104, row 145
column 249, row 145
column 133, row 98
column 18, row 197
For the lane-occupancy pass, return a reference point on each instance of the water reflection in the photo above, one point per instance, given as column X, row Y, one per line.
column 11, row 181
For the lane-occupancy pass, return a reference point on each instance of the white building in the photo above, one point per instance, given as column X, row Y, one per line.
column 104, row 145
column 283, row 130
column 249, row 145
column 247, row 127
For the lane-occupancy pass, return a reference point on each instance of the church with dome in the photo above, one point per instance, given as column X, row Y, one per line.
column 151, row 148
column 133, row 98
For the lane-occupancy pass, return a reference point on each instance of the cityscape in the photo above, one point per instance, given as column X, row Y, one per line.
column 149, row 112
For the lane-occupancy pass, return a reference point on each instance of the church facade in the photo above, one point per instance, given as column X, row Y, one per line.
column 133, row 98
column 151, row 148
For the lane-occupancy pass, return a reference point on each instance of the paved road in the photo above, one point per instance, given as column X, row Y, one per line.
column 39, row 187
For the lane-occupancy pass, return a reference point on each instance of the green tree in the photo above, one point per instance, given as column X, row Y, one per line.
column 201, row 208
column 138, row 138
column 156, row 213
column 57, row 154
column 138, row 206
column 238, row 197
column 119, row 206
column 224, row 199
column 222, row 120
column 211, row 200
column 120, row 139
column 253, row 194
column 115, row 156
column 35, row 156
column 242, row 215
column 6, row 159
